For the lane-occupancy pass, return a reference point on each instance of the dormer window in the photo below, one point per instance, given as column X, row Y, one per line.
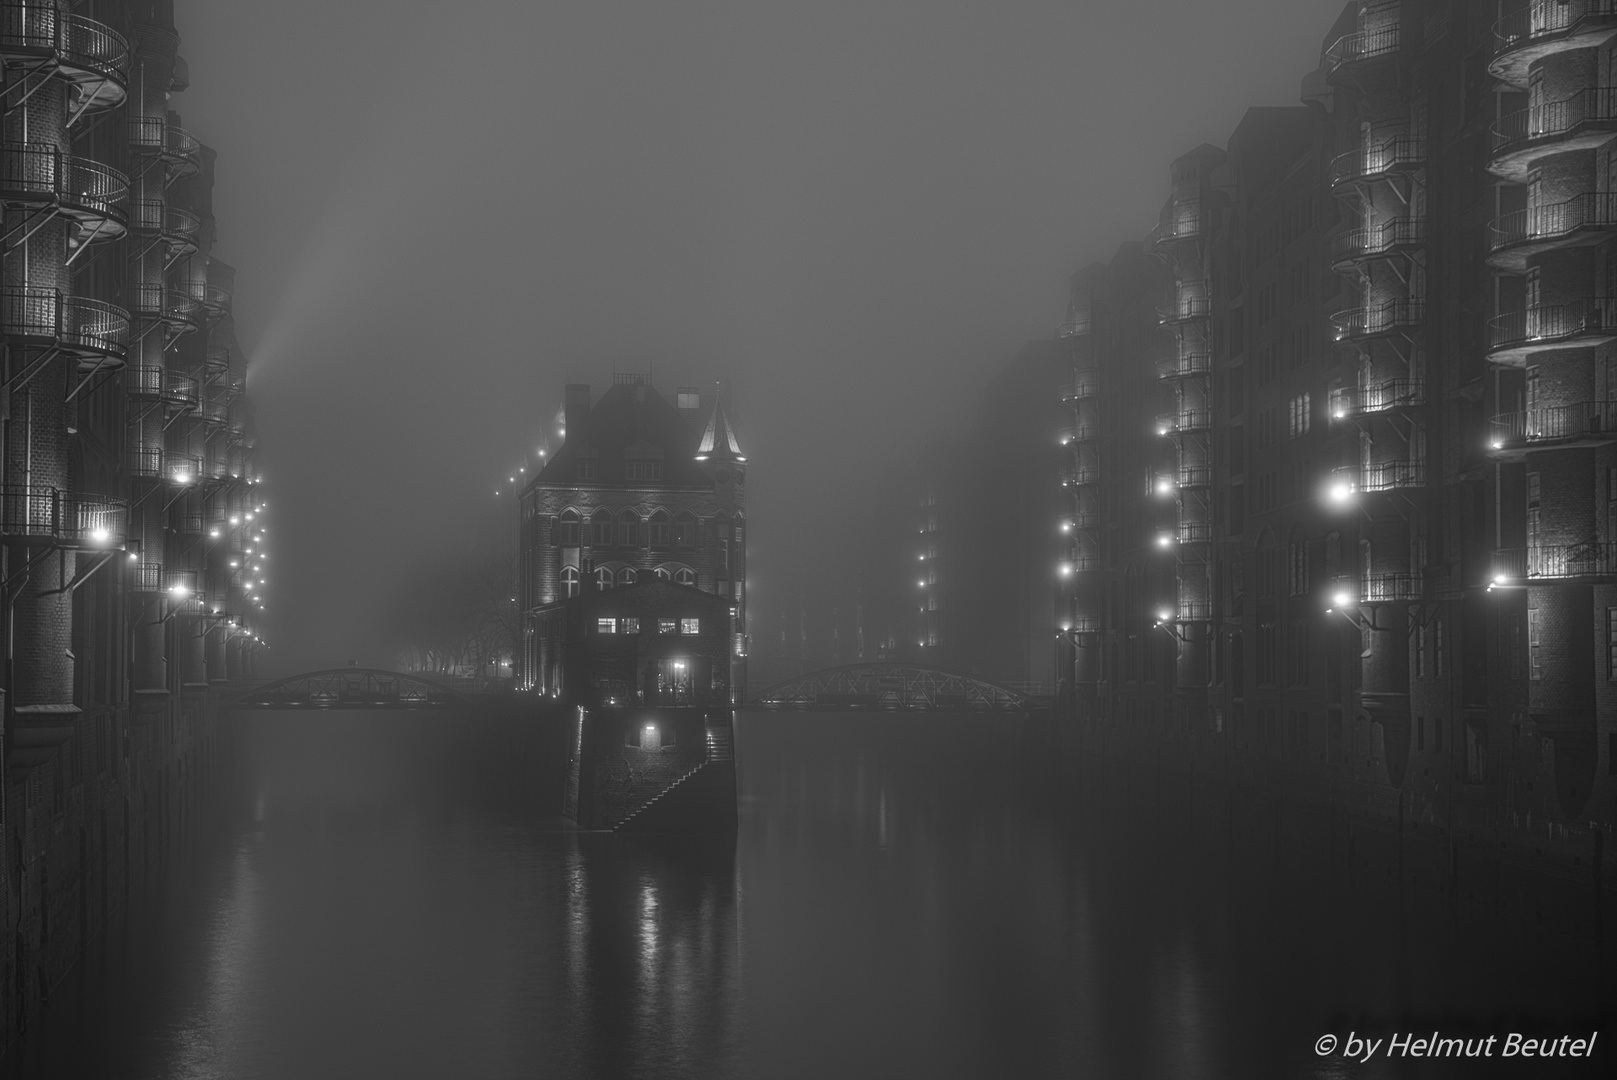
column 642, row 470
column 584, row 469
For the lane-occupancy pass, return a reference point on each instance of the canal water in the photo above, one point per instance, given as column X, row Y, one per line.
column 906, row 897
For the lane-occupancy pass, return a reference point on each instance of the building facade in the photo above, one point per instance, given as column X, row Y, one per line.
column 129, row 497
column 640, row 489
column 1371, row 551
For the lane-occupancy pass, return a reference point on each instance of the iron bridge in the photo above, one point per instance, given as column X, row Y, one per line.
column 892, row 686
column 352, row 688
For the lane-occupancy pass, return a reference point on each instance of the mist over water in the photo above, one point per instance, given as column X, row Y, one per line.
column 899, row 901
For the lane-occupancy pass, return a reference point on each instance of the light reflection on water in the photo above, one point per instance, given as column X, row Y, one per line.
column 899, row 902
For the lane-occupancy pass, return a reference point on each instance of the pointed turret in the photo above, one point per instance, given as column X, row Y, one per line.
column 719, row 440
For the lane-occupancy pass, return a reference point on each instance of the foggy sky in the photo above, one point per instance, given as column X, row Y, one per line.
column 854, row 210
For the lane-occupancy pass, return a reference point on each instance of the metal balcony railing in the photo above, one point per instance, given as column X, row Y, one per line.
column 154, row 135
column 214, row 411
column 182, row 389
column 1399, row 234
column 1392, row 394
column 1085, row 624
column 1391, row 588
column 216, row 297
column 1583, row 420
column 231, row 384
column 1554, row 120
column 1085, row 384
column 93, row 57
column 144, row 577
column 177, row 227
column 145, row 461
column 1541, row 225
column 1590, row 559
column 1074, row 475
column 1185, row 365
column 1191, row 303
column 237, row 427
column 1076, row 325
column 1076, row 433
column 182, row 584
column 1401, row 153
column 38, row 173
column 66, row 517
column 153, row 301
column 75, row 323
column 1385, row 318
column 1194, row 476
column 143, row 380
column 1544, row 19
column 182, row 468
column 1185, row 420
column 1195, row 532
column 1194, row 610
column 1550, row 323
column 215, row 465
column 1384, row 475
column 1184, row 222
column 1361, row 46
column 1085, row 518
column 218, row 358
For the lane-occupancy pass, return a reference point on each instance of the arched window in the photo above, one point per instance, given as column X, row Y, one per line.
column 626, row 576
column 628, row 529
column 600, row 528
column 723, row 538
column 685, row 530
column 660, row 531
column 685, row 576
column 569, row 579
column 603, row 578
column 569, row 532
column 663, row 574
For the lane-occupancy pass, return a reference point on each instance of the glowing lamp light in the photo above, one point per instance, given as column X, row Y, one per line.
column 1066, row 526
column 1339, row 414
column 179, row 591
column 1341, row 599
column 920, row 584
column 1164, row 615
column 1496, row 444
column 1162, row 429
column 100, row 536
column 1164, row 487
column 213, row 533
column 1164, row 540
column 134, row 556
column 1341, row 491
column 1066, row 569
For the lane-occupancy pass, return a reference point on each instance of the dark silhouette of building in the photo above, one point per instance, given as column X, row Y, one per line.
column 128, row 506
column 1369, row 557
column 641, row 489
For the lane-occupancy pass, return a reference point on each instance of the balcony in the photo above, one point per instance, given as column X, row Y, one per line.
column 45, row 515
column 1395, row 316
column 1194, row 476
column 1516, row 237
column 1544, row 27
column 215, row 412
column 1382, row 476
column 1085, row 384
column 1585, row 423
column 237, row 427
column 1185, row 365
column 1191, row 304
column 1556, row 562
column 1365, row 400
column 1194, row 611
column 1075, row 475
column 46, row 318
column 1195, row 532
column 1078, row 433
column 231, row 384
column 173, row 307
column 145, row 461
column 1185, row 421
column 92, row 58
column 182, row 468
column 1399, row 154
column 182, row 390
column 1391, row 588
column 1361, row 47
column 179, row 229
column 1086, row 518
column 144, row 577
column 1377, row 242
column 218, row 359
column 154, row 136
column 1077, row 325
column 1184, row 222
column 1581, row 122
column 1578, row 325
column 91, row 195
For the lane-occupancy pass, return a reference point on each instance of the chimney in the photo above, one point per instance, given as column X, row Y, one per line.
column 575, row 408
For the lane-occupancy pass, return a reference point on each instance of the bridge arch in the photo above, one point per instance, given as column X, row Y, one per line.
column 891, row 686
column 352, row 688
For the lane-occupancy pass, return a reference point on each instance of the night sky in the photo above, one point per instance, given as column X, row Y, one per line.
column 853, row 210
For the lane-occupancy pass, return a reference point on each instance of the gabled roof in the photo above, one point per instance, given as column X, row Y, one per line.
column 719, row 440
column 630, row 418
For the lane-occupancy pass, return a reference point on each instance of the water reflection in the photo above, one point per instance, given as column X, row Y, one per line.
column 905, row 898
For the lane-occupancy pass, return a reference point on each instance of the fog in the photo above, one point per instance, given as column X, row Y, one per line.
column 853, row 211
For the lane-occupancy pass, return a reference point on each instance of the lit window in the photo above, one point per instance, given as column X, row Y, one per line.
column 606, row 626
column 630, row 626
column 685, row 576
column 667, row 626
column 569, row 581
column 690, row 626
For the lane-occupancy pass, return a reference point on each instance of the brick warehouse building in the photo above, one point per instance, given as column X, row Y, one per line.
column 128, row 506
column 1342, row 481
column 641, row 489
